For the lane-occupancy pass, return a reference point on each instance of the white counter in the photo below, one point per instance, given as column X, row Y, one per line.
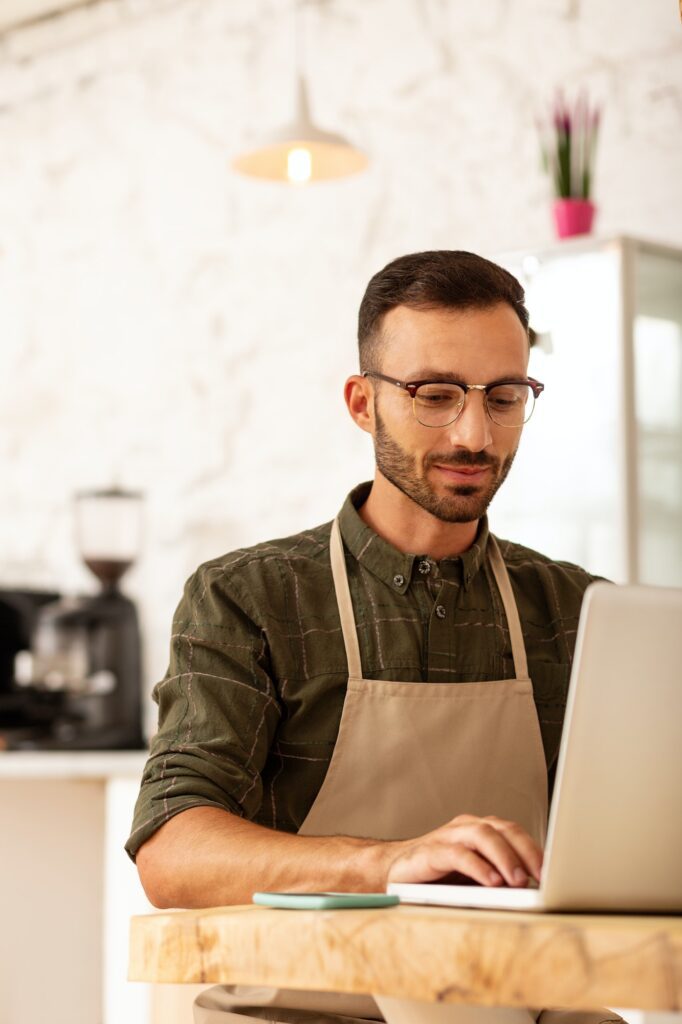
column 69, row 887
column 72, row 764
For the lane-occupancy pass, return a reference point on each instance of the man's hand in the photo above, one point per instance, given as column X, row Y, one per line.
column 490, row 851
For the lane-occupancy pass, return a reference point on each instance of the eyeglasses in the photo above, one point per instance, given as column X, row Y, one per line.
column 509, row 403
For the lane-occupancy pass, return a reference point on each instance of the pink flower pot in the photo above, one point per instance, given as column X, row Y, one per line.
column 573, row 216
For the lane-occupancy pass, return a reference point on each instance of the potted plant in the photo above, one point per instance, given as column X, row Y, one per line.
column 568, row 144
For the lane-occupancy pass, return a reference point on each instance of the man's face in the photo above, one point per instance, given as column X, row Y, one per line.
column 452, row 472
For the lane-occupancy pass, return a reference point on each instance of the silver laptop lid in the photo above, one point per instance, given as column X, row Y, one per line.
column 615, row 828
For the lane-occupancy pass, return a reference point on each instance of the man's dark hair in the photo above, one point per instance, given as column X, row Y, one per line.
column 444, row 278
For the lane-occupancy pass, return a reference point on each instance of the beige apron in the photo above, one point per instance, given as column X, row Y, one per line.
column 428, row 752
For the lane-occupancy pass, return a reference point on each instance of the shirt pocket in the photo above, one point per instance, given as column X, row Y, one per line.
column 550, row 688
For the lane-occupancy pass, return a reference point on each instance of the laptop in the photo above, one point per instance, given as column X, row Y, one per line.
column 614, row 839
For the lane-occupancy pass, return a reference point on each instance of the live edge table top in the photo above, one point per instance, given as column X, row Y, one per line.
column 435, row 954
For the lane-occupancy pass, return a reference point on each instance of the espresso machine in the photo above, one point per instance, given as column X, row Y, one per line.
column 70, row 667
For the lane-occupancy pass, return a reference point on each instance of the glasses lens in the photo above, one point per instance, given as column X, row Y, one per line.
column 436, row 405
column 510, row 405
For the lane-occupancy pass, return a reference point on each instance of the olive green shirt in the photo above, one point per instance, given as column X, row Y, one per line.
column 250, row 706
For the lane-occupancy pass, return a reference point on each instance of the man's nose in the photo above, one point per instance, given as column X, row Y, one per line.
column 472, row 428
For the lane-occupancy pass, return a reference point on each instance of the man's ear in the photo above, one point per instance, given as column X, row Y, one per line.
column 359, row 395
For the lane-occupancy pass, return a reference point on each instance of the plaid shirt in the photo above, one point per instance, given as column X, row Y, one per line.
column 250, row 706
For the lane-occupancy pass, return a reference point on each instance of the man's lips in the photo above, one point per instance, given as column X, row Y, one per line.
column 462, row 474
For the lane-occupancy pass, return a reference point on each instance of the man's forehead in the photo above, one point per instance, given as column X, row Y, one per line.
column 437, row 339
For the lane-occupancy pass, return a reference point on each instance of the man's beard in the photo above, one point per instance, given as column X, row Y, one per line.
column 463, row 503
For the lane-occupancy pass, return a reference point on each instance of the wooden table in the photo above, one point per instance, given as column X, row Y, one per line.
column 435, row 954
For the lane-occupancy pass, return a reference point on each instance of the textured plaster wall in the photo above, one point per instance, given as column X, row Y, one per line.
column 170, row 326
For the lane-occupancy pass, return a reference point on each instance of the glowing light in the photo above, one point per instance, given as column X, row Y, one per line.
column 299, row 165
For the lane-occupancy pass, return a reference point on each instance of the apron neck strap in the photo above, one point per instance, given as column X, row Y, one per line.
column 343, row 598
column 350, row 636
column 510, row 610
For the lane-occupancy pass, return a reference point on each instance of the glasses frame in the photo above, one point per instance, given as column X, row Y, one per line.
column 411, row 388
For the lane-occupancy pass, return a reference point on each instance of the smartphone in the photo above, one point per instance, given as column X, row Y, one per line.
column 324, row 900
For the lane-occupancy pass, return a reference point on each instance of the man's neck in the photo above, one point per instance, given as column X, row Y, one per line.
column 410, row 528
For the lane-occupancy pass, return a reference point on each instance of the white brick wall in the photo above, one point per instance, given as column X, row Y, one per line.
column 161, row 319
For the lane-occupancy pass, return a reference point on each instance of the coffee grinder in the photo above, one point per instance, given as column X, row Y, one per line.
column 85, row 652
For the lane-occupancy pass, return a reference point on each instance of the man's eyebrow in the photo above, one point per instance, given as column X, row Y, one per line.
column 448, row 377
column 429, row 373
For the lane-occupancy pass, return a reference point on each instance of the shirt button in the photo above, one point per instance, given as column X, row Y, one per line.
column 398, row 580
column 424, row 567
column 440, row 611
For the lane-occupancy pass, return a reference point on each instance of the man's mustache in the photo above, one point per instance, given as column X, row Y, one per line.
column 477, row 460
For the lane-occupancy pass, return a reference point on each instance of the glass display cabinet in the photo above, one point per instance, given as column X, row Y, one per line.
column 598, row 476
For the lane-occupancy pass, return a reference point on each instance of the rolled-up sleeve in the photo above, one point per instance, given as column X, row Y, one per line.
column 218, row 709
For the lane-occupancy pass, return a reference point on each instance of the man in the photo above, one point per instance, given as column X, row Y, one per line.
column 380, row 699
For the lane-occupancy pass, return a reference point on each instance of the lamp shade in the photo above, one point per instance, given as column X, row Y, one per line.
column 301, row 152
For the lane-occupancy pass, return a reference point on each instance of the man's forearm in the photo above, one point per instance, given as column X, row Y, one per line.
column 207, row 857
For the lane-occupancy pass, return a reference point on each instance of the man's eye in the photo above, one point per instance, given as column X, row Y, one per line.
column 504, row 399
column 437, row 396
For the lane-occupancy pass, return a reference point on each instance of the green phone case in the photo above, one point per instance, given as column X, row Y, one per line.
column 324, row 900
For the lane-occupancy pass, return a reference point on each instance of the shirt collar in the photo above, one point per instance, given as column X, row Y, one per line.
column 393, row 567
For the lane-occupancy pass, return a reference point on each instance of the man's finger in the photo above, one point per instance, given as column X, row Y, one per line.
column 525, row 846
column 493, row 846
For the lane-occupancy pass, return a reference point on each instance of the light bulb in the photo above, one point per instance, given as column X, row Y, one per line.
column 299, row 165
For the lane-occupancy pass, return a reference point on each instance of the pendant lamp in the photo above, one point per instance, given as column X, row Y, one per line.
column 300, row 152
